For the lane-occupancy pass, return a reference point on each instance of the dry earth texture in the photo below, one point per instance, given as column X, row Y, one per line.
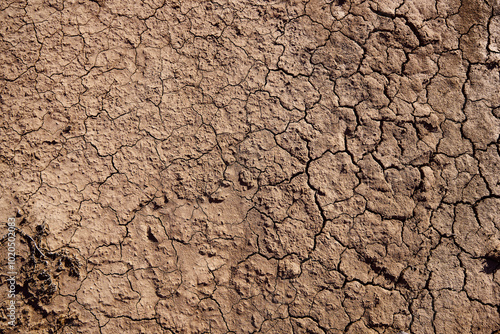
column 251, row 166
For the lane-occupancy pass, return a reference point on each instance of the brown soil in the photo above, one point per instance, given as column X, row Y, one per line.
column 237, row 166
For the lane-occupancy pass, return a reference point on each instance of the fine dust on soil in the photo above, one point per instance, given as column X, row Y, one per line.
column 251, row 166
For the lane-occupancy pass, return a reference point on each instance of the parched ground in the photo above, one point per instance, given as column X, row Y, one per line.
column 251, row 166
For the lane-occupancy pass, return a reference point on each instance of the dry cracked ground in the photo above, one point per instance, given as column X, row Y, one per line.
column 251, row 166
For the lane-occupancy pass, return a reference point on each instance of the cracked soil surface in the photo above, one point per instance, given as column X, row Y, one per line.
column 251, row 166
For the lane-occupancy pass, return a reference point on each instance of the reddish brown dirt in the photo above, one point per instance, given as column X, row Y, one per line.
column 251, row 166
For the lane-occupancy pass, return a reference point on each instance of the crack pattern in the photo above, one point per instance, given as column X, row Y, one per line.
column 299, row 166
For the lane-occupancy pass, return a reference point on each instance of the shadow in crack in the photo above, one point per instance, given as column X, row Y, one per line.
column 490, row 266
